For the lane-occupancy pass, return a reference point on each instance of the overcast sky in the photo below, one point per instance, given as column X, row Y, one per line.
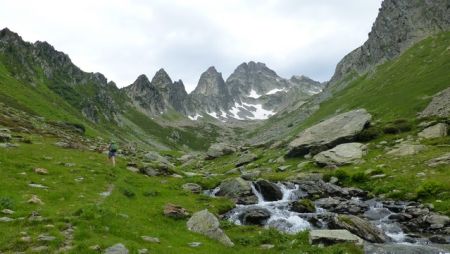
column 123, row 39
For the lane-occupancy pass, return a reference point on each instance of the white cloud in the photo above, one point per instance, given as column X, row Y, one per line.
column 123, row 39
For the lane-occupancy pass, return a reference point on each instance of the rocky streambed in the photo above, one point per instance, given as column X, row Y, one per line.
column 383, row 226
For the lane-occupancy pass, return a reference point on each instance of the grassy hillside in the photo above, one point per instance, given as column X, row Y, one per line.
column 134, row 208
column 397, row 89
column 37, row 98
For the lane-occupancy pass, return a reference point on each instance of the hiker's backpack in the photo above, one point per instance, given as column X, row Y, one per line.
column 113, row 148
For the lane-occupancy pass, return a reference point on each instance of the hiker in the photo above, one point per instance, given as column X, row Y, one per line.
column 112, row 153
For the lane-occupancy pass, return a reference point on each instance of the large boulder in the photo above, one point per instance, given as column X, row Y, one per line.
column 218, row 150
column 206, row 223
column 268, row 190
column 359, row 227
column 237, row 189
column 343, row 154
column 436, row 131
column 329, row 133
column 254, row 216
column 328, row 237
column 439, row 106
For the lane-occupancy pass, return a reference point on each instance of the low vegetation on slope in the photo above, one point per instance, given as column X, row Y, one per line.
column 88, row 205
column 397, row 89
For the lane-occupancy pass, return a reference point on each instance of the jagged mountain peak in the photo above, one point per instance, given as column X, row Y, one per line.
column 399, row 24
column 7, row 34
column 211, row 83
column 161, row 79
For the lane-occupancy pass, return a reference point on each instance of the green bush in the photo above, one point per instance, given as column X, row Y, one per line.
column 150, row 193
column 397, row 126
column 369, row 134
column 341, row 175
column 429, row 189
column 359, row 177
column 128, row 193
column 6, row 203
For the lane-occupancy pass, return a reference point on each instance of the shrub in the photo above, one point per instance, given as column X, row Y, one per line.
column 128, row 193
column 6, row 203
column 397, row 126
column 341, row 175
column 359, row 177
column 429, row 189
column 150, row 193
column 368, row 134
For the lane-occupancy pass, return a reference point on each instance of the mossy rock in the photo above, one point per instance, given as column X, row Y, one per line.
column 303, row 206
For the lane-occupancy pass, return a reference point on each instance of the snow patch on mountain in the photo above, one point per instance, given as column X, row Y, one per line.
column 253, row 94
column 276, row 90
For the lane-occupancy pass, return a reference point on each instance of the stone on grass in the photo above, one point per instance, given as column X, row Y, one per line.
column 116, row 249
column 150, row 239
column 439, row 106
column 192, row 187
column 175, row 211
column 329, row 133
column 35, row 200
column 442, row 160
column 350, row 153
column 194, row 244
column 206, row 223
column 246, row 158
column 406, row 149
column 41, row 171
column 436, row 131
column 7, row 211
column 46, row 238
column 218, row 150
column 6, row 219
column 329, row 237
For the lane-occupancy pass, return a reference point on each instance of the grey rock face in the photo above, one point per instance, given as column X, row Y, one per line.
column 211, row 93
column 436, row 131
column 206, row 223
column 254, row 76
column 340, row 155
column 146, row 95
column 26, row 60
column 399, row 25
column 329, row 133
column 439, row 105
